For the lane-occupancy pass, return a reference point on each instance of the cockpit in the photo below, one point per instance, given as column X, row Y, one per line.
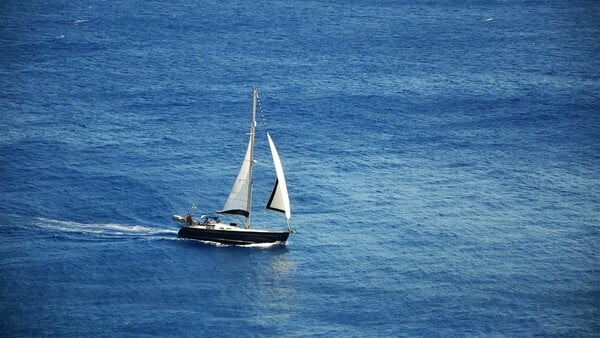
column 208, row 220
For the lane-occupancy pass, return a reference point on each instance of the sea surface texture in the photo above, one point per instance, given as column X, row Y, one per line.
column 442, row 158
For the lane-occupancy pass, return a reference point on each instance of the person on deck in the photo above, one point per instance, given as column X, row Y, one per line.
column 188, row 219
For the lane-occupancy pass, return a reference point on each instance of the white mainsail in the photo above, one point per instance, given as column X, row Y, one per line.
column 279, row 200
column 239, row 200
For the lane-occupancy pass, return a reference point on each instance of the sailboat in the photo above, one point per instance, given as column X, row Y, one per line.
column 239, row 203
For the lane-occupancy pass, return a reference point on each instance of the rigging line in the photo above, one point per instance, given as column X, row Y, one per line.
column 262, row 114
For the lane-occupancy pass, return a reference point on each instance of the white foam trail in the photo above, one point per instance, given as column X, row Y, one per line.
column 263, row 245
column 222, row 245
column 102, row 229
column 256, row 245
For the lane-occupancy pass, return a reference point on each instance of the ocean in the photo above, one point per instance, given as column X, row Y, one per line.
column 442, row 160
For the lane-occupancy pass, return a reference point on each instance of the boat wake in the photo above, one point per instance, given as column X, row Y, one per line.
column 105, row 230
column 263, row 245
column 254, row 245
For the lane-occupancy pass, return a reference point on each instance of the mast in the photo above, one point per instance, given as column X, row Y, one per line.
column 251, row 147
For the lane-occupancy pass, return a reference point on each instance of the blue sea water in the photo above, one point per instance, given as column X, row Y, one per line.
column 443, row 163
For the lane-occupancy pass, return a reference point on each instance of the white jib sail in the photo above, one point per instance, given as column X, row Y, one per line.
column 238, row 202
column 279, row 200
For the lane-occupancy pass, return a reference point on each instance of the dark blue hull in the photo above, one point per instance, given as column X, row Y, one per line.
column 241, row 237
